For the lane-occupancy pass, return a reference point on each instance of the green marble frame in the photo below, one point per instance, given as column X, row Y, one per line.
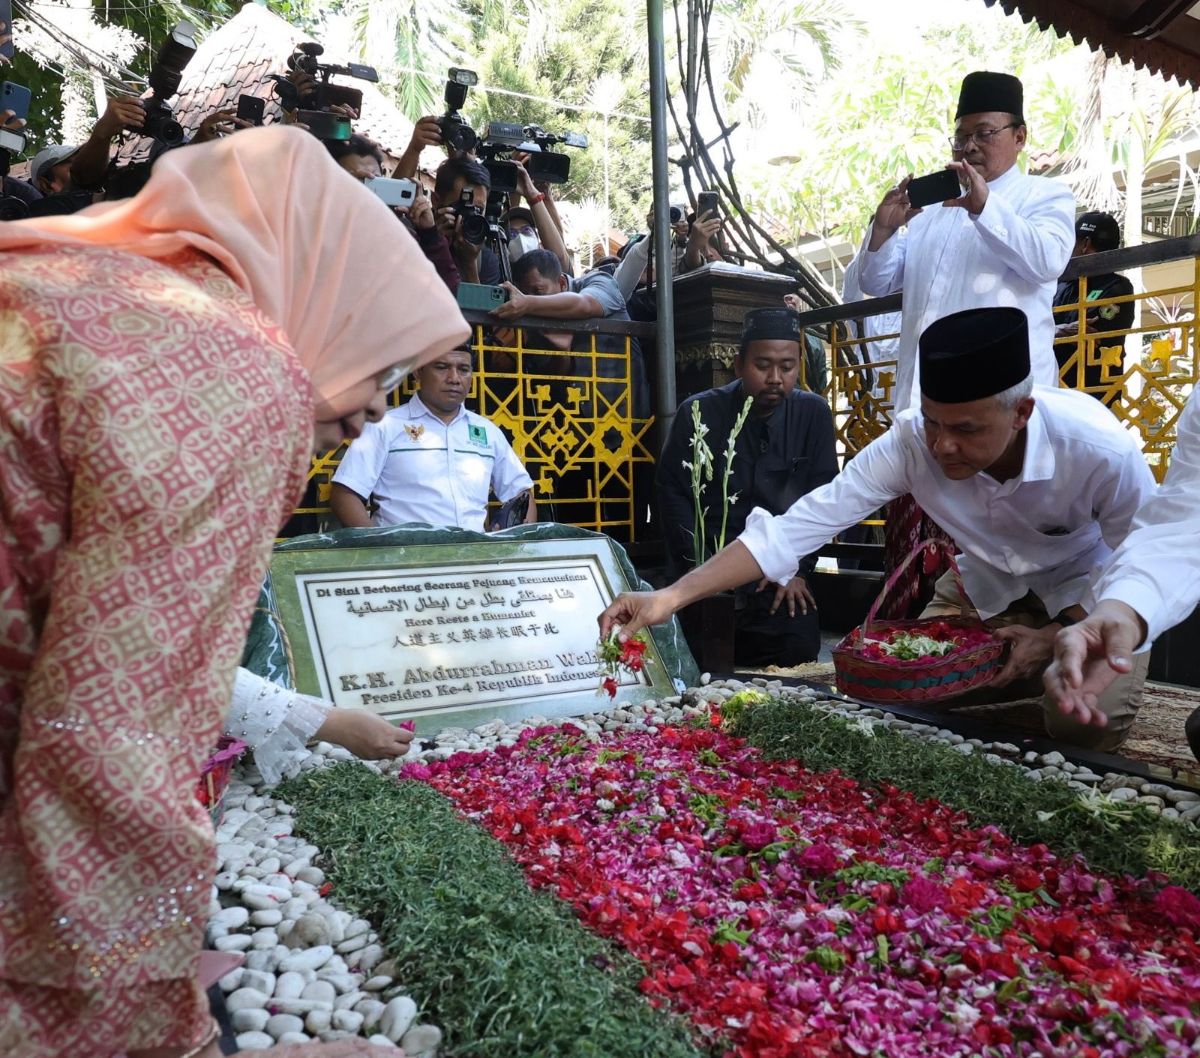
column 278, row 646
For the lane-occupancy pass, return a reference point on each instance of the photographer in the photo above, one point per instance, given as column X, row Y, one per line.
column 426, row 133
column 359, row 156
column 50, row 173
column 219, row 123
column 536, row 226
column 421, row 224
column 543, row 289
column 703, row 242
column 16, row 196
column 455, row 176
column 89, row 164
column 635, row 268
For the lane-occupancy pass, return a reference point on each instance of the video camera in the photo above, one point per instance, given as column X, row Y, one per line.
column 323, row 94
column 543, row 165
column 165, row 75
column 456, row 133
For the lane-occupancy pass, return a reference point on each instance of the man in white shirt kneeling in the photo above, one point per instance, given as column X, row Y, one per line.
column 1036, row 486
column 430, row 460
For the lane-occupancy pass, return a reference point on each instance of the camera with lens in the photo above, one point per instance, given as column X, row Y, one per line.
column 543, row 165
column 474, row 221
column 456, row 133
column 323, row 94
column 165, row 75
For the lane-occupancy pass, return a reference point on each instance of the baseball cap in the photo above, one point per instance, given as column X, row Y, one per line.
column 518, row 213
column 1101, row 228
column 48, row 157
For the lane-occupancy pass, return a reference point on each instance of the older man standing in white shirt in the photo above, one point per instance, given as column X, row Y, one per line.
column 1150, row 584
column 1005, row 242
column 1035, row 485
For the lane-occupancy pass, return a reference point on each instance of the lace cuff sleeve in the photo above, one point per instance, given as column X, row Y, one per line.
column 274, row 722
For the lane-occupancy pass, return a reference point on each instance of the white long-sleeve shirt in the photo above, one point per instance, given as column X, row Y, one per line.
column 274, row 722
column 946, row 260
column 1156, row 570
column 1048, row 530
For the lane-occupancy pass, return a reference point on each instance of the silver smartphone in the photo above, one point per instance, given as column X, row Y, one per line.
column 394, row 193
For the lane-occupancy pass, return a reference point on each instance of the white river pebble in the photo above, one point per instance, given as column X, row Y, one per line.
column 421, row 1041
column 397, row 1016
column 249, row 1019
column 307, row 958
column 246, row 997
column 278, row 1024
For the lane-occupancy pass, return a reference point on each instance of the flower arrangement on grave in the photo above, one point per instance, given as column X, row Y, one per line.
column 701, row 469
column 794, row 914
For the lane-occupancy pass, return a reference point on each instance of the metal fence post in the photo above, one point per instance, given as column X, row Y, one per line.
column 664, row 336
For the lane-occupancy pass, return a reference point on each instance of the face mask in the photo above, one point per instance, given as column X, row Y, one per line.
column 520, row 245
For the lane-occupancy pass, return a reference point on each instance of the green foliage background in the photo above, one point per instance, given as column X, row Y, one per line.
column 555, row 52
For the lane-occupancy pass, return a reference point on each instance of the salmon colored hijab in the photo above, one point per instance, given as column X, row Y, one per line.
column 316, row 251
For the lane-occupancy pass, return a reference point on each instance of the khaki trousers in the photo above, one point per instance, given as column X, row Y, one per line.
column 1120, row 702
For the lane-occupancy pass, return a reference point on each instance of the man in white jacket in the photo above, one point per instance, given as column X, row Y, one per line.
column 1004, row 242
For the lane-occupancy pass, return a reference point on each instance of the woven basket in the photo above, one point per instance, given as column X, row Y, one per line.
column 214, row 776
column 927, row 681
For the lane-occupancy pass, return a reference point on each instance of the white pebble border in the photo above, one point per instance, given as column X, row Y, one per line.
column 313, row 971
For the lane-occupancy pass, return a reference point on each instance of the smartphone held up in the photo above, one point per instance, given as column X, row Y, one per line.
column 933, row 188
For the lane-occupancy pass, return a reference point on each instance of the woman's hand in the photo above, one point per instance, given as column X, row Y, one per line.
column 367, row 736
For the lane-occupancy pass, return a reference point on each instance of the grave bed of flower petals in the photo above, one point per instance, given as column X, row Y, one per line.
column 788, row 913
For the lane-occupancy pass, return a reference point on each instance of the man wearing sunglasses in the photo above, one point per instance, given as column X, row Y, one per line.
column 1003, row 242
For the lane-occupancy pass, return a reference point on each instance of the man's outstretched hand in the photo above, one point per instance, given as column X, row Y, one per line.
column 1089, row 655
column 635, row 610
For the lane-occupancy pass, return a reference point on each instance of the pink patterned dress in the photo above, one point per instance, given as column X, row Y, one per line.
column 155, row 428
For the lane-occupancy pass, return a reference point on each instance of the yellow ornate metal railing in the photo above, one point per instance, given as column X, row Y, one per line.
column 1143, row 372
column 578, row 419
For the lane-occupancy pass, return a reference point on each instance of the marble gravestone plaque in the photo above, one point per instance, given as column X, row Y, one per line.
column 484, row 628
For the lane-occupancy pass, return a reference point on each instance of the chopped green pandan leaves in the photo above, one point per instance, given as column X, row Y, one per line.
column 1117, row 838
column 503, row 969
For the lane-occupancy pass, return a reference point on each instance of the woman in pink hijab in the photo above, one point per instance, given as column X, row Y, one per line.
column 162, row 363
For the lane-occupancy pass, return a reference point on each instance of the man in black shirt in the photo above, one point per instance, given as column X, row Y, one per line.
column 784, row 450
column 1103, row 363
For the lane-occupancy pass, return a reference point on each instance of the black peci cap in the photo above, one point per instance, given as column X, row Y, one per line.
column 983, row 92
column 974, row 354
column 771, row 325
